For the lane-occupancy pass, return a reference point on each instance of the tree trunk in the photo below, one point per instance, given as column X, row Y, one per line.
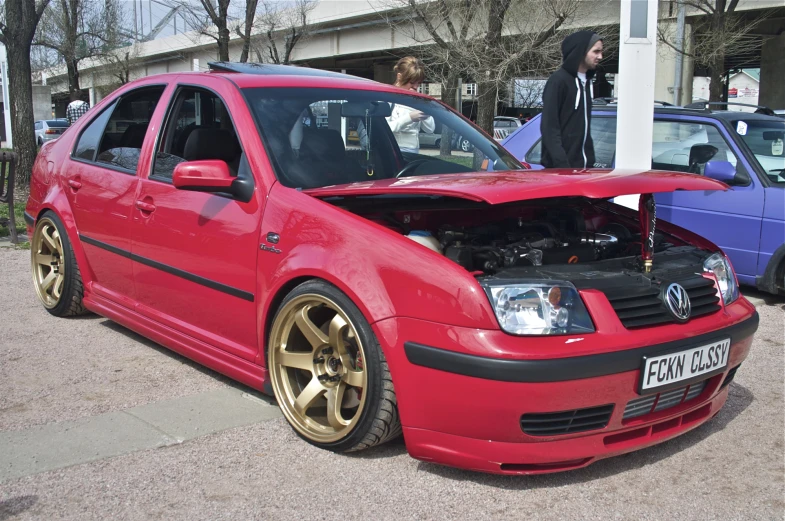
column 449, row 95
column 17, row 37
column 487, row 92
column 74, row 91
column 223, row 44
column 21, row 97
column 717, row 64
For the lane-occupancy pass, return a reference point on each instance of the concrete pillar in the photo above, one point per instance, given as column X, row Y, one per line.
column 637, row 60
column 772, row 71
column 666, row 66
column 635, row 115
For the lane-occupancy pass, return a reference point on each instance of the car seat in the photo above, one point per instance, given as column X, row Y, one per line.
column 214, row 143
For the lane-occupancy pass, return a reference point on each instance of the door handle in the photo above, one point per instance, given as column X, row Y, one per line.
column 73, row 183
column 145, row 207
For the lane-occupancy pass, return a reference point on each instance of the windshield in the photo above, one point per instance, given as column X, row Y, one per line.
column 766, row 139
column 320, row 137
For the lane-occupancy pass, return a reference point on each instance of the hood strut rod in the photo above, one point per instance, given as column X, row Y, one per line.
column 647, row 216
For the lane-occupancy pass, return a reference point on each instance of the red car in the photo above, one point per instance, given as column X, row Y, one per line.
column 503, row 320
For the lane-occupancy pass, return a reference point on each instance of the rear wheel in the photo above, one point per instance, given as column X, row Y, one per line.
column 465, row 145
column 328, row 371
column 56, row 276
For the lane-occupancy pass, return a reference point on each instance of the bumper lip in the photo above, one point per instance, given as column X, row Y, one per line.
column 565, row 369
column 29, row 219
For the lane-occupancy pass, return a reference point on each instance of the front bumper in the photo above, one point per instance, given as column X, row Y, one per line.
column 462, row 392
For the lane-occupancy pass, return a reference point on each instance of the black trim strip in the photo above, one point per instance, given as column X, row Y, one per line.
column 29, row 219
column 562, row 369
column 229, row 290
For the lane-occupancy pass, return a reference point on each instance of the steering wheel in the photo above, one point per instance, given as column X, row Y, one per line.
column 409, row 167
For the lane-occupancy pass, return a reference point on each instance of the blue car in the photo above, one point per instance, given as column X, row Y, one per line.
column 742, row 149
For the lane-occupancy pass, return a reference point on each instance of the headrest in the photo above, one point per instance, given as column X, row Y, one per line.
column 322, row 144
column 133, row 137
column 211, row 143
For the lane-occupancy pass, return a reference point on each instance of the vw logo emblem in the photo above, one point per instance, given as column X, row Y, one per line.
column 678, row 301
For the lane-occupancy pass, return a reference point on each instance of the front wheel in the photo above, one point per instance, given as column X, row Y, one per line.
column 328, row 371
column 466, row 146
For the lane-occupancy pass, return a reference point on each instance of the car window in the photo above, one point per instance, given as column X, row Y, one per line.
column 766, row 140
column 685, row 146
column 199, row 127
column 38, row 125
column 318, row 137
column 534, row 155
column 603, row 134
column 123, row 136
column 60, row 123
column 91, row 135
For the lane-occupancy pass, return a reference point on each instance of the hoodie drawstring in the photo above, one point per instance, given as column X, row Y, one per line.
column 578, row 93
column 591, row 90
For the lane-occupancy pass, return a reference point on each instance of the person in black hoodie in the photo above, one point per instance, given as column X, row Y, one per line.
column 566, row 101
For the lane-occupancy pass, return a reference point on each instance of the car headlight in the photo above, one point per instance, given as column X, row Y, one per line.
column 538, row 308
column 718, row 265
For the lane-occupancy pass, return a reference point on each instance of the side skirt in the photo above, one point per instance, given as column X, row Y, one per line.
column 232, row 366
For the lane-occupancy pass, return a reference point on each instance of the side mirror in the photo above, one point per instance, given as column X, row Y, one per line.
column 724, row 171
column 209, row 175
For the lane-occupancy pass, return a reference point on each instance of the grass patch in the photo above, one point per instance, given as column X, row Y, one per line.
column 461, row 160
column 19, row 216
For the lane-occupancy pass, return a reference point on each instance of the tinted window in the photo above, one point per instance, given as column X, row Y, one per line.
column 766, row 139
column 88, row 141
column 121, row 143
column 320, row 136
column 199, row 127
column 684, row 146
column 57, row 123
column 603, row 133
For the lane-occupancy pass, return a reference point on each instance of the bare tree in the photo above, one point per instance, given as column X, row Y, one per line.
column 18, row 22
column 77, row 30
column 117, row 64
column 209, row 18
column 718, row 31
column 489, row 41
column 275, row 21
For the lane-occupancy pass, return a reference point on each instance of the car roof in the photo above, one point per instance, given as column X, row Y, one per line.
column 730, row 115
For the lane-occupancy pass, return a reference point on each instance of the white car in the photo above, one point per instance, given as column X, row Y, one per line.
column 49, row 129
column 503, row 126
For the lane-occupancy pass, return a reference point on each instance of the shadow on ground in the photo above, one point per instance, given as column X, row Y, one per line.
column 15, row 506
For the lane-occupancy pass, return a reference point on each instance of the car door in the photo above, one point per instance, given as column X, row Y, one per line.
column 197, row 251
column 100, row 182
column 731, row 219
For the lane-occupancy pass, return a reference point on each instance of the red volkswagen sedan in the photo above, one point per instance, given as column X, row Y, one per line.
column 502, row 320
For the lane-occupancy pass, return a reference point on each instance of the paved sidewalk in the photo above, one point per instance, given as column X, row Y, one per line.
column 169, row 422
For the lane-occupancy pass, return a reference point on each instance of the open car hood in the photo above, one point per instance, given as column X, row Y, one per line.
column 519, row 185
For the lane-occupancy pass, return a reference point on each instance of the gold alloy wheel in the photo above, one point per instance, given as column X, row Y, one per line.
column 48, row 262
column 316, row 368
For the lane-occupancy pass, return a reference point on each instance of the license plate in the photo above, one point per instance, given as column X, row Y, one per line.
column 664, row 370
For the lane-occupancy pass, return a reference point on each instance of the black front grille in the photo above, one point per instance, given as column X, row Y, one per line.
column 566, row 422
column 662, row 401
column 641, row 307
column 729, row 378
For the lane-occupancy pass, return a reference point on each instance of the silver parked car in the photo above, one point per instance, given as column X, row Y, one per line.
column 49, row 129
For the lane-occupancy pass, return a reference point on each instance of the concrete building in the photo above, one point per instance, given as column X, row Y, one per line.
column 354, row 37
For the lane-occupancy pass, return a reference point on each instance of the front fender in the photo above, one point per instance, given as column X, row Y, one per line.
column 384, row 273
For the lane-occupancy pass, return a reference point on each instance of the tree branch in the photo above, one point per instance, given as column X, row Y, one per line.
column 428, row 26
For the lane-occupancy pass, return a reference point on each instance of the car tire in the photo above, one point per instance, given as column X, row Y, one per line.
column 56, row 275
column 40, row 142
column 438, row 143
column 465, row 145
column 328, row 372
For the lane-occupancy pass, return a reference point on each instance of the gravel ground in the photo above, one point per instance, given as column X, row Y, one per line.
column 733, row 467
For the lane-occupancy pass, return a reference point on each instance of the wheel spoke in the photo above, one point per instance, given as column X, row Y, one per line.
column 51, row 242
column 334, row 401
column 337, row 325
column 312, row 391
column 309, row 330
column 48, row 280
column 58, row 289
column 44, row 260
column 296, row 360
column 354, row 378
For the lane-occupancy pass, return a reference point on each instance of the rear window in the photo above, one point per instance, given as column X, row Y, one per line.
column 57, row 123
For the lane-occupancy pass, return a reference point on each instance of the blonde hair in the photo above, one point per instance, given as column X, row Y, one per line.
column 411, row 70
